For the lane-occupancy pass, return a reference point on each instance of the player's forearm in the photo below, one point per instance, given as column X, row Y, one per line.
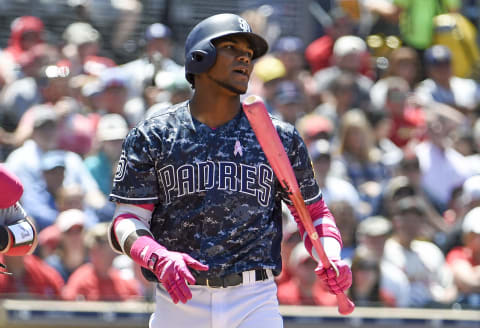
column 326, row 228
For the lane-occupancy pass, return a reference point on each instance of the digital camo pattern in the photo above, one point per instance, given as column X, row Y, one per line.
column 216, row 196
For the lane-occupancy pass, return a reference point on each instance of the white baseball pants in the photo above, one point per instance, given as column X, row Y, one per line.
column 250, row 305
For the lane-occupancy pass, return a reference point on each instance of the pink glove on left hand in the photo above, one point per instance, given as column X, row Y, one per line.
column 335, row 285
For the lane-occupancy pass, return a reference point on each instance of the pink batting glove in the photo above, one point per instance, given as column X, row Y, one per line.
column 335, row 285
column 171, row 268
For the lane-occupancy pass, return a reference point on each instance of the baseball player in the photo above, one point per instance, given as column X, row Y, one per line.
column 17, row 232
column 197, row 204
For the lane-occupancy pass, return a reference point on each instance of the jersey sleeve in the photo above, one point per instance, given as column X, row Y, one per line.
column 302, row 166
column 135, row 180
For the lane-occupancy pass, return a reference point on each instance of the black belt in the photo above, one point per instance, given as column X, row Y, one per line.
column 230, row 280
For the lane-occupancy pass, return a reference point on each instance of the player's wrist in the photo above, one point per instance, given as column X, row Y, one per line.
column 146, row 252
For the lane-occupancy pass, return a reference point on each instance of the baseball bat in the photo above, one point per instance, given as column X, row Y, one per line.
column 272, row 146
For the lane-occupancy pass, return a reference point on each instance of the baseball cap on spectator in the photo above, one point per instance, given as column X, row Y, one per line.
column 79, row 33
column 409, row 205
column 69, row 219
column 97, row 234
column 52, row 159
column 319, row 149
column 289, row 44
column 269, row 68
column 471, row 189
column 12, row 188
column 288, row 92
column 374, row 226
column 43, row 115
column 348, row 44
column 112, row 127
column 471, row 221
column 157, row 31
column 399, row 187
column 313, row 126
column 437, row 54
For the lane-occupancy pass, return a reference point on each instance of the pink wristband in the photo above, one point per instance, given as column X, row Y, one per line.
column 142, row 249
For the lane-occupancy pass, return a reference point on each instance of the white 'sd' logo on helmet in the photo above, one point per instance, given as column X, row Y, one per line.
column 244, row 25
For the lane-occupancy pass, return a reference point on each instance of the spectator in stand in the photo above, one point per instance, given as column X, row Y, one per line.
column 113, row 95
column 347, row 53
column 304, row 288
column 338, row 99
column 468, row 199
column 30, row 277
column 314, row 127
column 289, row 102
column 25, row 33
column 359, row 161
column 267, row 73
column 403, row 63
column 290, row 50
column 333, row 188
column 27, row 162
column 464, row 261
column 157, row 56
column 433, row 227
column 345, row 216
column 70, row 252
column 111, row 130
column 422, row 262
column 31, row 89
column 438, row 160
column 442, row 86
column 120, row 18
column 319, row 52
column 371, row 235
column 81, row 42
column 408, row 119
column 98, row 280
column 390, row 154
column 365, row 290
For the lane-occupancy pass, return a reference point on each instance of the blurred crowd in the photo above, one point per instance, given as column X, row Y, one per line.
column 386, row 97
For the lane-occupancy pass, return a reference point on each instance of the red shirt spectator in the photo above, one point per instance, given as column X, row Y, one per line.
column 86, row 284
column 31, row 277
column 99, row 280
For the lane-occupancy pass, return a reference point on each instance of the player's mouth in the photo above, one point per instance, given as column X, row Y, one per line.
column 241, row 71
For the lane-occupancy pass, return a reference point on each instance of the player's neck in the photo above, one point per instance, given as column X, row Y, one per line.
column 212, row 110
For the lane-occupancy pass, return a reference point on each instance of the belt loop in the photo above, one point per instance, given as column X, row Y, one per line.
column 269, row 274
column 248, row 277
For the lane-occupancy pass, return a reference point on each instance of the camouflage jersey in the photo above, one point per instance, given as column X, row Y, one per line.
column 216, row 197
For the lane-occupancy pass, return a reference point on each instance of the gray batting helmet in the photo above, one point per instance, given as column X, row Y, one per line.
column 200, row 53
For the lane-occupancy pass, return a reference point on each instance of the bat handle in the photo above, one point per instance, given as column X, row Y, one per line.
column 345, row 305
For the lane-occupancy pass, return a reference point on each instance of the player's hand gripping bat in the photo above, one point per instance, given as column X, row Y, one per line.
column 272, row 146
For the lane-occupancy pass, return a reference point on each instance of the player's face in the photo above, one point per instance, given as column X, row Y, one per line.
column 233, row 64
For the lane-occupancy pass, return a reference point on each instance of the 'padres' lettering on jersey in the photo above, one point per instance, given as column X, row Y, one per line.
column 214, row 192
column 193, row 178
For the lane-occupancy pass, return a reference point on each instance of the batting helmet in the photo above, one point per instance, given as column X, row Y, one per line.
column 200, row 53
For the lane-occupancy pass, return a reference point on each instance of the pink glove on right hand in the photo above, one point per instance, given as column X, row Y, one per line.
column 335, row 285
column 171, row 268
